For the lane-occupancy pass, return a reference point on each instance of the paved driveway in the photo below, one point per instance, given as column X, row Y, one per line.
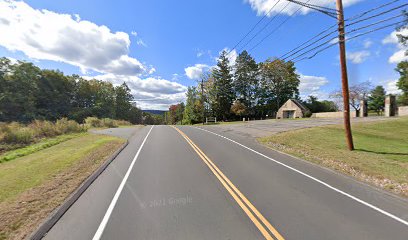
column 263, row 128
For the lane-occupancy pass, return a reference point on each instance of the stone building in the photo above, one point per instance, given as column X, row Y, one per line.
column 292, row 109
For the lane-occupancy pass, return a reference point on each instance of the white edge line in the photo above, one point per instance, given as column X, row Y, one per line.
column 105, row 219
column 315, row 179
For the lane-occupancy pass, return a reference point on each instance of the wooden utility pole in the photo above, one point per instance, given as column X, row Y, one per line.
column 202, row 98
column 344, row 78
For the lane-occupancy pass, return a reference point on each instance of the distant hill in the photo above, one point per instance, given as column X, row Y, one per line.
column 157, row 112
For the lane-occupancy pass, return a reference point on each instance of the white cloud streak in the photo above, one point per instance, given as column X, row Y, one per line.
column 195, row 72
column 358, row 57
column 311, row 85
column 46, row 35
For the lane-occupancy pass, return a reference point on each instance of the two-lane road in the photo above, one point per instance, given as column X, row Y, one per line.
column 189, row 183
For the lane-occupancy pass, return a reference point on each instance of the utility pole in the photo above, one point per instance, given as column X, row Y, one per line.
column 202, row 97
column 344, row 77
column 343, row 64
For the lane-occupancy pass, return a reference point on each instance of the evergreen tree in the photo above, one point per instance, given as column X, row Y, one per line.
column 222, row 87
column 245, row 79
column 376, row 99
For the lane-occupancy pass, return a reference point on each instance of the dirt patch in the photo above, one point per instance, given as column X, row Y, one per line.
column 20, row 217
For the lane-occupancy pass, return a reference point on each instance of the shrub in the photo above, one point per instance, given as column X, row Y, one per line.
column 22, row 135
column 44, row 128
column 122, row 123
column 93, row 122
column 107, row 122
column 64, row 125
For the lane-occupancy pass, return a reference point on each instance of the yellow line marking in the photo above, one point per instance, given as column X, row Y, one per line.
column 233, row 190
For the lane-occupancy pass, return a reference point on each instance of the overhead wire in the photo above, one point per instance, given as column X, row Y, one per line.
column 348, row 39
column 253, row 27
column 303, row 47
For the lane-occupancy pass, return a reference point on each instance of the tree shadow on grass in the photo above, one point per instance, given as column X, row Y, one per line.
column 379, row 152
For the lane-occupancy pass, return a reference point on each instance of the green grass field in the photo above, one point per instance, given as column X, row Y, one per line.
column 381, row 155
column 33, row 185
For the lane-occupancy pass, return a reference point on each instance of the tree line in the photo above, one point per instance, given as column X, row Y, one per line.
column 257, row 90
column 243, row 89
column 28, row 92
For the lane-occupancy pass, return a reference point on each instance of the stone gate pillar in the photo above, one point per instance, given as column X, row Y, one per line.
column 390, row 106
column 363, row 108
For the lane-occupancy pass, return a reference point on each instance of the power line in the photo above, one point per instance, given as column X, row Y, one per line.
column 354, row 30
column 348, row 39
column 371, row 10
column 351, row 18
column 270, row 21
column 328, row 11
column 253, row 27
column 275, row 29
column 378, row 14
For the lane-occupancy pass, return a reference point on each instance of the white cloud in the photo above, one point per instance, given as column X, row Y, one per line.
column 46, row 35
column 358, row 57
column 263, row 6
column 134, row 33
column 149, row 93
column 399, row 55
column 175, row 77
column 141, row 43
column 391, row 86
column 311, row 85
column 195, row 72
column 152, row 70
column 202, row 53
column 367, row 43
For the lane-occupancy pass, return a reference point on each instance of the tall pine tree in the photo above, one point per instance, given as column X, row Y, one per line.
column 245, row 79
column 222, row 87
column 376, row 99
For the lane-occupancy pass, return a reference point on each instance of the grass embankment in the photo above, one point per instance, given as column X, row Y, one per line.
column 380, row 158
column 32, row 186
column 42, row 144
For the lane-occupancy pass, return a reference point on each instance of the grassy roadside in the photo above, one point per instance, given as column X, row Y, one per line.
column 380, row 158
column 32, row 186
column 43, row 144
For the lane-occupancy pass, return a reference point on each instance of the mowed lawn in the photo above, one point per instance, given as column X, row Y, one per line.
column 32, row 186
column 380, row 158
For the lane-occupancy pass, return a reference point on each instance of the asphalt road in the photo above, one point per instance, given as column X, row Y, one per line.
column 194, row 184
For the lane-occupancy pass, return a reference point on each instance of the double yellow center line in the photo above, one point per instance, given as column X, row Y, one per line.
column 254, row 215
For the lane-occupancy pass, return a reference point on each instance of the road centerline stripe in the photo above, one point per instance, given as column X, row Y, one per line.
column 102, row 225
column 375, row 208
column 235, row 193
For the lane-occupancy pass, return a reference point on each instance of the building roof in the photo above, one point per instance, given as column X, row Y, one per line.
column 299, row 104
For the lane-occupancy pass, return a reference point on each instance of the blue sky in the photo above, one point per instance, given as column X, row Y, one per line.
column 159, row 47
